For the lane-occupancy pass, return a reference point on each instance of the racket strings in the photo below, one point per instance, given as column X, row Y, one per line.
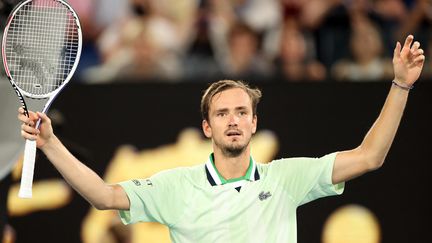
column 41, row 46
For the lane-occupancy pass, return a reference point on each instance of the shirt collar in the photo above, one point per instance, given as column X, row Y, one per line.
column 215, row 179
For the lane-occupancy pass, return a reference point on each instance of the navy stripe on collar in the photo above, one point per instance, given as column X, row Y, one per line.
column 212, row 179
column 209, row 177
column 256, row 176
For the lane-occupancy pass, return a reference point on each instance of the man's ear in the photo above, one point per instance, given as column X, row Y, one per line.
column 206, row 129
column 255, row 123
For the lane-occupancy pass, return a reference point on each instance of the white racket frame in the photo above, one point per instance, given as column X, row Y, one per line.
column 26, row 185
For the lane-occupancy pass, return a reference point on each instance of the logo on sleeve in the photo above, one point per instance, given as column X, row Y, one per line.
column 264, row 195
column 149, row 182
column 136, row 182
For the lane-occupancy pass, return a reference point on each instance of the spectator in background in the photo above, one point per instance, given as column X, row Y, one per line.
column 90, row 32
column 165, row 17
column 148, row 44
column 199, row 61
column 395, row 13
column 260, row 17
column 331, row 23
column 365, row 64
column 191, row 39
column 420, row 20
column 325, row 20
column 243, row 59
column 296, row 61
column 141, row 55
column 386, row 15
column 309, row 13
column 265, row 18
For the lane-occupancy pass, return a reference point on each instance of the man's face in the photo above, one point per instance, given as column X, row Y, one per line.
column 231, row 121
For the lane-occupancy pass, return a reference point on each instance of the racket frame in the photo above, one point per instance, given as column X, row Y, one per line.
column 30, row 147
column 51, row 95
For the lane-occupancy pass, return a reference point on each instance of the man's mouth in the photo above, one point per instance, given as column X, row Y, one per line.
column 233, row 133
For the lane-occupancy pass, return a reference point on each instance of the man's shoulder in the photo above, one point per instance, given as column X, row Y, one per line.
column 277, row 164
column 295, row 162
column 286, row 161
column 181, row 175
column 181, row 171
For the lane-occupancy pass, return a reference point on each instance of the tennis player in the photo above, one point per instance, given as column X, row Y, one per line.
column 231, row 198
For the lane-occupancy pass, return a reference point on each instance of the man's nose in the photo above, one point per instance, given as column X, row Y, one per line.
column 232, row 120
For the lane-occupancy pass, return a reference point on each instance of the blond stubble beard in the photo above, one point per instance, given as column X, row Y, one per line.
column 232, row 151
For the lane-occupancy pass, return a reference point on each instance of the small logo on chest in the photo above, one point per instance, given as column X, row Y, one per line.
column 264, row 195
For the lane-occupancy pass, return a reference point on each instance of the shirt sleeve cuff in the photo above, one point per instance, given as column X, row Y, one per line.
column 132, row 215
column 335, row 189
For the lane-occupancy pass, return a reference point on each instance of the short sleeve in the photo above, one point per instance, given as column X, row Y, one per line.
column 324, row 186
column 156, row 199
column 306, row 179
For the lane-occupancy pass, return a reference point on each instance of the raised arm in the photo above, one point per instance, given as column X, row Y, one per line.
column 85, row 181
column 407, row 64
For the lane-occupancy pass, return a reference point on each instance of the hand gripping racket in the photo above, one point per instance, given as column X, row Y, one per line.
column 41, row 48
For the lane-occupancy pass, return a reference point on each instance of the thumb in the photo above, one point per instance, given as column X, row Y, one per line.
column 43, row 116
column 32, row 115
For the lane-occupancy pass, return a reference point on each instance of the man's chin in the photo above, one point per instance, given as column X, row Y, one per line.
column 233, row 151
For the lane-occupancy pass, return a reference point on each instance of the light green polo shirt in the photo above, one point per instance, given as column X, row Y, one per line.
column 198, row 206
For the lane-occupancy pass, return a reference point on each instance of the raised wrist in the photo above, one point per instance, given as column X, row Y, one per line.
column 401, row 85
column 50, row 143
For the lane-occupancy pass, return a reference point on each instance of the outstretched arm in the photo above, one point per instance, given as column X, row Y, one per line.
column 80, row 177
column 407, row 64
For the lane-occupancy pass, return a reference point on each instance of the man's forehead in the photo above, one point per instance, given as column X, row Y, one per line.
column 231, row 98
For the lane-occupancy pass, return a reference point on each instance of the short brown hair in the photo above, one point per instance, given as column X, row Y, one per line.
column 222, row 85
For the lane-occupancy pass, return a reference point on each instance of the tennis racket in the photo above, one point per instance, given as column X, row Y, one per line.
column 41, row 48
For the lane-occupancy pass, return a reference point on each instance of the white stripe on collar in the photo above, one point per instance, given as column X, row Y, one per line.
column 252, row 175
column 211, row 168
column 213, row 172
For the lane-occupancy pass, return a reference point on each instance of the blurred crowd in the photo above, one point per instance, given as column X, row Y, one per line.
column 256, row 40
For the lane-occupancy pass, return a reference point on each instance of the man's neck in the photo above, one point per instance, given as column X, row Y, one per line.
column 232, row 167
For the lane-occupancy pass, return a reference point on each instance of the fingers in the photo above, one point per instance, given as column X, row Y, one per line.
column 29, row 129
column 28, row 122
column 419, row 60
column 415, row 47
column 29, row 132
column 43, row 117
column 33, row 117
column 29, row 136
column 404, row 53
column 21, row 110
column 397, row 50
column 22, row 116
column 417, row 53
column 410, row 51
column 408, row 41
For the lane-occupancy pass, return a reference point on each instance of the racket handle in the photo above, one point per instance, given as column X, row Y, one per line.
column 25, row 190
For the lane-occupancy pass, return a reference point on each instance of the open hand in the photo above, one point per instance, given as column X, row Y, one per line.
column 408, row 62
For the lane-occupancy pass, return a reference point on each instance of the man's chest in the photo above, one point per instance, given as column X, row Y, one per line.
column 224, row 206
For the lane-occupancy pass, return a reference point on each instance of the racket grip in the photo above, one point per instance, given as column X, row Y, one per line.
column 25, row 190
